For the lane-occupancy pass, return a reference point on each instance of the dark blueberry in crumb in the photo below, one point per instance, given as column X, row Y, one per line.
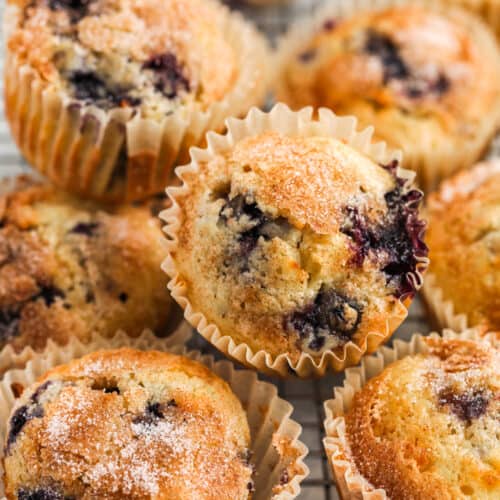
column 329, row 24
column 466, row 406
column 88, row 87
column 112, row 390
column 245, row 456
column 169, row 77
column 85, row 228
column 49, row 294
column 172, row 403
column 45, row 493
column 251, row 224
column 9, row 324
column 19, row 419
column 89, row 296
column 396, row 240
column 284, row 477
column 35, row 398
column 307, row 56
column 123, row 297
column 152, row 413
column 250, row 487
column 77, row 9
column 385, row 49
column 331, row 313
column 441, row 85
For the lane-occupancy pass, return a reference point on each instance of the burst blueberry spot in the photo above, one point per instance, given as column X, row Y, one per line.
column 331, row 314
column 49, row 294
column 466, row 406
column 385, row 49
column 85, row 228
column 307, row 55
column 76, row 9
column 169, row 75
column 329, row 24
column 9, row 324
column 111, row 390
column 123, row 297
column 19, row 419
column 90, row 88
column 397, row 240
column 45, row 493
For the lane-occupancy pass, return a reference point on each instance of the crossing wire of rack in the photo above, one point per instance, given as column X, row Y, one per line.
column 307, row 396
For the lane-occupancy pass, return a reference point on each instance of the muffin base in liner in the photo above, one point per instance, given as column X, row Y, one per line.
column 283, row 120
column 180, row 333
column 420, row 150
column 441, row 309
column 350, row 483
column 117, row 155
column 277, row 452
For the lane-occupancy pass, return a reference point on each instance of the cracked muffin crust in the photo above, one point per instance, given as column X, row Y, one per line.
column 128, row 424
column 428, row 426
column 72, row 268
column 464, row 243
column 128, row 86
column 295, row 245
column 424, row 77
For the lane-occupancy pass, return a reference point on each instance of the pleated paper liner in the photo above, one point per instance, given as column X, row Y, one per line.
column 431, row 164
column 277, row 452
column 117, row 155
column 287, row 122
column 442, row 311
column 350, row 483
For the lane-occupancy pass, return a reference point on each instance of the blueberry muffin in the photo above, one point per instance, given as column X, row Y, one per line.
column 104, row 97
column 71, row 268
column 428, row 426
column 128, row 424
column 424, row 77
column 464, row 243
column 296, row 245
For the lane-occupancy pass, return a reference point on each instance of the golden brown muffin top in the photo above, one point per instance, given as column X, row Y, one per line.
column 428, row 426
column 423, row 61
column 129, row 424
column 464, row 243
column 71, row 268
column 297, row 244
column 127, row 52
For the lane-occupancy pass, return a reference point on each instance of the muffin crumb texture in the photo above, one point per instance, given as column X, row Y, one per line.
column 71, row 268
column 128, row 424
column 294, row 244
column 428, row 426
column 464, row 242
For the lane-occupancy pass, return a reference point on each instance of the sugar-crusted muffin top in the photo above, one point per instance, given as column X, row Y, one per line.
column 428, row 426
column 423, row 62
column 128, row 424
column 464, row 242
column 294, row 244
column 71, row 268
column 151, row 55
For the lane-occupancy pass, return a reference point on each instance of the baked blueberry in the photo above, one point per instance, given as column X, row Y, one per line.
column 297, row 244
column 388, row 67
column 173, row 430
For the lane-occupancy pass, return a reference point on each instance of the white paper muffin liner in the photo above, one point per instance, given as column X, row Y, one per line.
column 350, row 483
column 178, row 335
column 277, row 452
column 78, row 146
column 441, row 308
column 300, row 123
column 421, row 153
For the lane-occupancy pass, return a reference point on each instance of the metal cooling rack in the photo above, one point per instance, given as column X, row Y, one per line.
column 307, row 397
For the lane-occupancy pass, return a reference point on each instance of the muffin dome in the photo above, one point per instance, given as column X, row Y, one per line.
column 119, row 90
column 71, row 268
column 464, row 243
column 296, row 244
column 128, row 424
column 427, row 426
column 425, row 78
